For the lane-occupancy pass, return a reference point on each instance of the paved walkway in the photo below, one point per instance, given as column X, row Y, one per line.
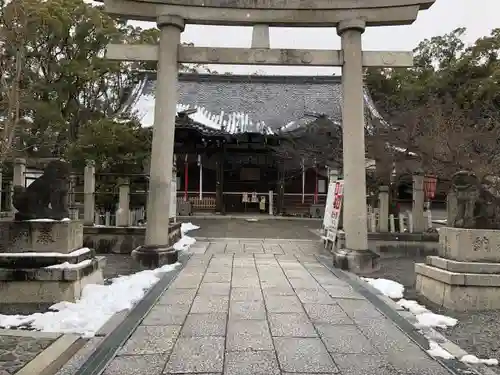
column 266, row 307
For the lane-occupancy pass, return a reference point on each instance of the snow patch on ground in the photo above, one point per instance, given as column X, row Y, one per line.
column 68, row 266
column 98, row 303
column 49, row 220
column 473, row 360
column 425, row 318
column 437, row 351
column 388, row 288
column 75, row 253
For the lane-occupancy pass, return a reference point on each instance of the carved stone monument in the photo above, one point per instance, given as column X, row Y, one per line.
column 42, row 259
column 466, row 273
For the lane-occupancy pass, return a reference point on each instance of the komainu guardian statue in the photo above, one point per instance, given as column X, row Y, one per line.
column 478, row 203
column 46, row 197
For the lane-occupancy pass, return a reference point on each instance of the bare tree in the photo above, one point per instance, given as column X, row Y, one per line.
column 441, row 138
column 13, row 85
column 318, row 142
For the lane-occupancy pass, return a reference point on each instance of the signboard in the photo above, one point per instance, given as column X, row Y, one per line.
column 244, row 198
column 327, row 218
column 336, row 211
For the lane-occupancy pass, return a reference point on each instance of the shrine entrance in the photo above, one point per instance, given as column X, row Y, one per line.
column 350, row 18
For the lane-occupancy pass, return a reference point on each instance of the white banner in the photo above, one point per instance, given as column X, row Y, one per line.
column 327, row 218
column 336, row 211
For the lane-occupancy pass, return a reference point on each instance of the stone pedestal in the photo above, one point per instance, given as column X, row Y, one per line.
column 360, row 262
column 465, row 275
column 40, row 236
column 45, row 262
column 155, row 256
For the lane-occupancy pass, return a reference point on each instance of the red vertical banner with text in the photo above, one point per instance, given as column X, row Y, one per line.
column 336, row 210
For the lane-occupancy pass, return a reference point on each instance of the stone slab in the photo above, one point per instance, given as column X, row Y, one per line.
column 346, row 339
column 53, row 356
column 41, row 236
column 151, row 340
column 245, row 335
column 331, row 314
column 453, row 278
column 462, row 267
column 136, row 365
column 34, row 260
column 458, row 297
column 291, row 325
column 47, row 291
column 303, row 355
column 60, row 273
column 196, row 354
column 469, row 245
column 200, row 325
column 249, row 362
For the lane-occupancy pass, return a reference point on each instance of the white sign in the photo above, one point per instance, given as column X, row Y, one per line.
column 244, row 198
column 327, row 218
column 254, row 198
column 336, row 211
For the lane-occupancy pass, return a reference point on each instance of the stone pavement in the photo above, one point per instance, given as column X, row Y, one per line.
column 266, row 307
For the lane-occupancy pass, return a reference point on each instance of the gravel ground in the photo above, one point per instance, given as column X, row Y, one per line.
column 476, row 332
column 16, row 352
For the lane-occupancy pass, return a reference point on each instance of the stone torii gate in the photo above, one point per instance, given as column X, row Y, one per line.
column 350, row 17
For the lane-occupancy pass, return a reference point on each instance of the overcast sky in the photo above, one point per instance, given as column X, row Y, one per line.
column 478, row 16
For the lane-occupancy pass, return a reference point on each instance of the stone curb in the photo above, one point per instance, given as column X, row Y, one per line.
column 118, row 328
column 54, row 356
column 455, row 366
column 236, row 217
column 239, row 239
column 26, row 333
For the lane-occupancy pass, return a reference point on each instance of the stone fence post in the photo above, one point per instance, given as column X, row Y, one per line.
column 418, row 203
column 89, row 193
column 19, row 173
column 18, row 179
column 383, row 209
column 451, row 208
column 1, row 189
column 123, row 213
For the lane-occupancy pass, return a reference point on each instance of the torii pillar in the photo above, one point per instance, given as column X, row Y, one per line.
column 356, row 256
column 156, row 250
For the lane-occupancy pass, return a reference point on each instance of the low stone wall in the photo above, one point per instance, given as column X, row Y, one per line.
column 121, row 240
column 387, row 244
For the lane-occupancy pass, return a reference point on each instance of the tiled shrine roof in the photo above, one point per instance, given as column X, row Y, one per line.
column 249, row 104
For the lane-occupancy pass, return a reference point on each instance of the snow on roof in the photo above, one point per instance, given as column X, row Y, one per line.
column 254, row 104
column 236, row 122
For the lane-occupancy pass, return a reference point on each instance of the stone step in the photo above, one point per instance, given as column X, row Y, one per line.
column 40, row 260
column 58, row 272
column 458, row 278
column 463, row 267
